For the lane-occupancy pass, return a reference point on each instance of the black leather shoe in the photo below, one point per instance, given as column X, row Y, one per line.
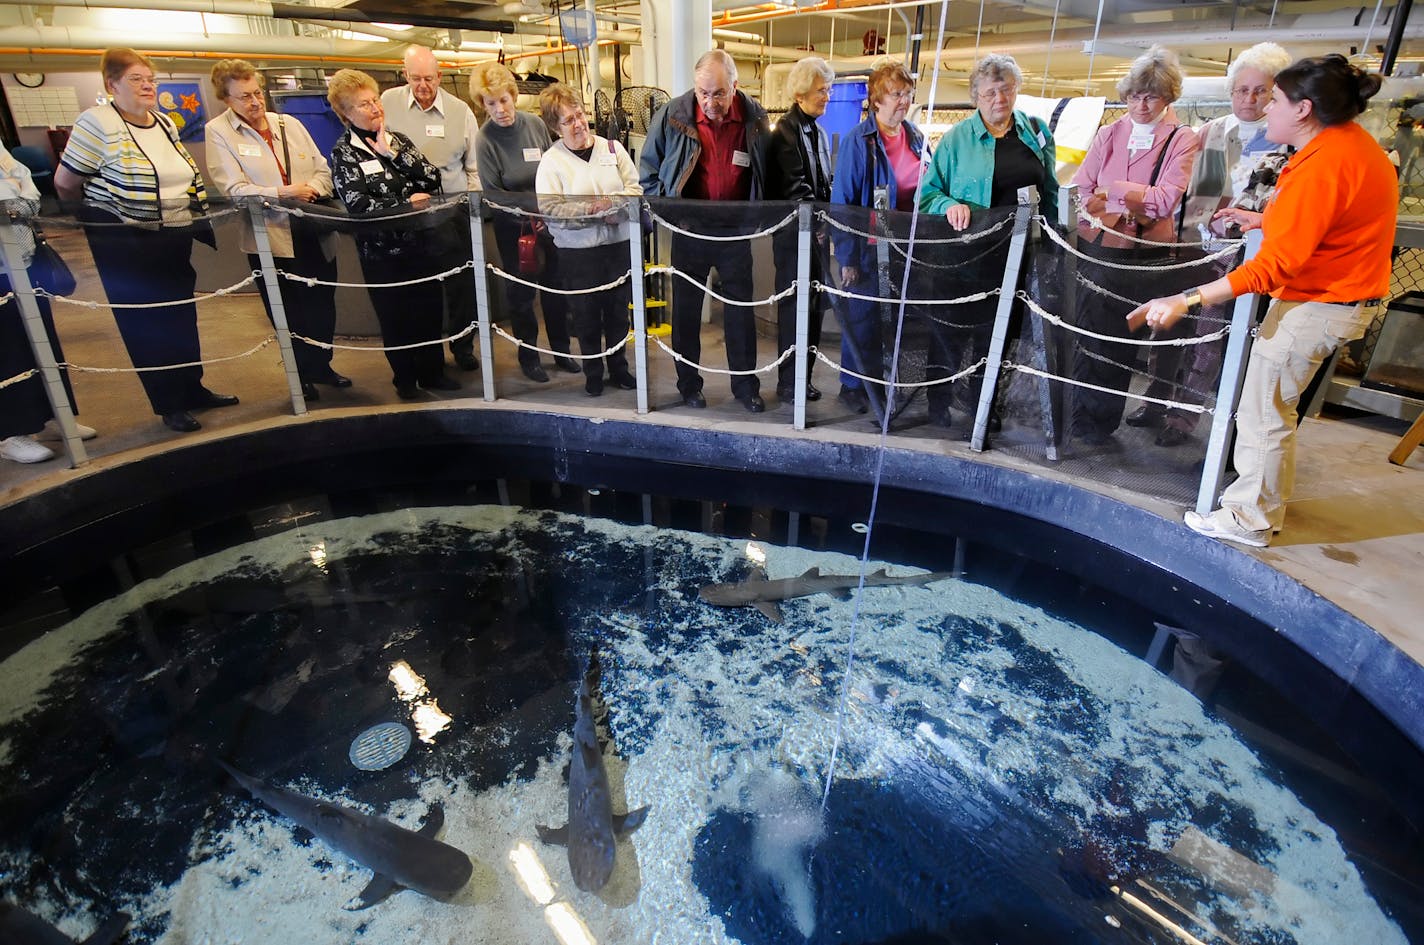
column 441, row 382
column 207, row 398
column 331, row 379
column 309, row 391
column 1171, row 436
column 408, row 391
column 854, row 398
column 753, row 403
column 812, row 391
column 535, row 372
column 467, row 362
column 593, row 386
column 181, row 422
column 1148, row 415
column 567, row 364
column 694, row 399
column 625, row 381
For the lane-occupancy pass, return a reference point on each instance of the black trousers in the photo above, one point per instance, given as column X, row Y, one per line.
column 458, row 291
column 520, row 298
column 311, row 309
column 600, row 318
column 1104, row 363
column 733, row 262
column 783, row 246
column 141, row 267
column 408, row 314
column 24, row 408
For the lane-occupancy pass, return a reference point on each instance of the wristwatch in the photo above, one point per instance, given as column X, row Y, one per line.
column 1193, row 298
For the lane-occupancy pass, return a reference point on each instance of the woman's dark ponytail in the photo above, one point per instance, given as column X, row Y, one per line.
column 1337, row 90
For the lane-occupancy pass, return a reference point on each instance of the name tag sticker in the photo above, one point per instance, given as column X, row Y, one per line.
column 434, row 131
column 371, row 167
column 1042, row 141
column 1140, row 142
column 532, row 155
column 741, row 159
column 607, row 158
column 249, row 150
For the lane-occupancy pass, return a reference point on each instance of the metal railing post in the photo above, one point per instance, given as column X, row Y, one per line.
column 803, row 313
column 483, row 315
column 12, row 251
column 1228, row 392
column 633, row 232
column 1013, row 266
column 256, row 208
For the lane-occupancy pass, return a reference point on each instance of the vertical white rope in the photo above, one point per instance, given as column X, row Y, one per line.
column 978, row 33
column 1097, row 26
column 844, row 698
column 1369, row 33
column 1048, row 53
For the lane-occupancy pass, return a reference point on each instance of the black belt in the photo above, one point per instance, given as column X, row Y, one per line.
column 1366, row 302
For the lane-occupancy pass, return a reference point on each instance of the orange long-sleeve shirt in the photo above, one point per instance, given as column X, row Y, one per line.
column 1329, row 230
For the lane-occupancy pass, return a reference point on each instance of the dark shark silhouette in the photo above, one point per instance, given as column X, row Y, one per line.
column 400, row 857
column 762, row 593
column 593, row 827
column 21, row 927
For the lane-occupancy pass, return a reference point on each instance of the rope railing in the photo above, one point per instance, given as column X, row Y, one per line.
column 727, row 372
column 1053, row 235
column 194, row 219
column 334, row 346
column 433, row 277
column 1161, row 401
column 737, row 238
column 18, row 378
column 86, row 303
column 521, row 343
column 86, row 369
column 902, row 385
column 627, row 274
column 919, row 241
column 553, row 217
column 1099, row 224
column 361, row 219
column 1093, row 286
column 847, row 294
column 1048, row 316
column 672, row 270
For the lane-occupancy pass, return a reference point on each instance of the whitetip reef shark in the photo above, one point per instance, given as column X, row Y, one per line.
column 593, row 828
column 762, row 593
column 401, row 858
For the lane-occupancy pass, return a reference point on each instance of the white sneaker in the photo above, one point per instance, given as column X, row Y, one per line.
column 51, row 433
column 1222, row 526
column 24, row 449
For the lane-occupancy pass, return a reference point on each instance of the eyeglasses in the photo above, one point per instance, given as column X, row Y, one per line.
column 140, row 81
column 712, row 95
column 368, row 104
column 820, row 92
column 425, row 79
column 1144, row 98
column 1244, row 92
column 247, row 98
column 1005, row 94
column 573, row 118
column 903, row 95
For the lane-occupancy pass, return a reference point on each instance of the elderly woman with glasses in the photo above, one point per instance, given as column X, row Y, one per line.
column 125, row 162
column 1132, row 182
column 878, row 166
column 981, row 163
column 376, row 169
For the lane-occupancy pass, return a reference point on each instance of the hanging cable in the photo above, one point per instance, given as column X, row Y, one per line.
column 1097, row 25
column 978, row 33
column 1369, row 33
column 1048, row 53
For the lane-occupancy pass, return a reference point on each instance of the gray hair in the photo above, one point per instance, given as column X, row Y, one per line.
column 719, row 56
column 805, row 73
column 995, row 67
column 1266, row 57
column 1157, row 71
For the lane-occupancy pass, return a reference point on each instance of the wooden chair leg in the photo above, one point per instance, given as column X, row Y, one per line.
column 1400, row 454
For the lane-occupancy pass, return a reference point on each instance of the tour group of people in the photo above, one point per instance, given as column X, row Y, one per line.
column 1288, row 159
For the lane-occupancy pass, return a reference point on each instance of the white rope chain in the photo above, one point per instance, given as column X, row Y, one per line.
column 725, row 371
column 966, row 238
column 439, row 276
column 1201, row 317
column 627, row 274
column 659, row 270
column 537, row 215
column 789, row 218
column 364, row 218
column 1174, row 404
column 903, row 385
column 83, row 303
column 1048, row 316
column 1053, row 235
column 333, row 346
column 1098, row 224
column 151, row 226
column 71, row 366
column 18, row 378
column 518, row 343
column 962, row 300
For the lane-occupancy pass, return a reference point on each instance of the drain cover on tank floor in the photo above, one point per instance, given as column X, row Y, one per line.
column 380, row 746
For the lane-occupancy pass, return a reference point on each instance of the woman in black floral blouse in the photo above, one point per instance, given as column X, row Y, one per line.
column 375, row 169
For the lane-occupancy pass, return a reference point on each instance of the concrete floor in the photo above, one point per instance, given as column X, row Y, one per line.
column 1354, row 531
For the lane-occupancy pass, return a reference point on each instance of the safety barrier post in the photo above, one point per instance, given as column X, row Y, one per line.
column 1228, row 393
column 482, row 300
column 633, row 233
column 256, row 208
column 1028, row 208
column 13, row 252
column 803, row 313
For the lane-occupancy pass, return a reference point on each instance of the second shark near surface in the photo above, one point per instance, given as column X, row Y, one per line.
column 761, row 592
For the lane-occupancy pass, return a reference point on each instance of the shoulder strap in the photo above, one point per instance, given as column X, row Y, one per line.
column 1162, row 155
column 286, row 151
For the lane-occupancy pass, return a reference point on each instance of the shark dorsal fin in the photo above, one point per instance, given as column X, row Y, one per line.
column 811, row 572
column 434, row 820
column 377, row 889
column 757, row 573
column 880, row 573
column 624, row 824
column 558, row 836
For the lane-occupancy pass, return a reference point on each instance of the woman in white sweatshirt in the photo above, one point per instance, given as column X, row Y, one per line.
column 580, row 181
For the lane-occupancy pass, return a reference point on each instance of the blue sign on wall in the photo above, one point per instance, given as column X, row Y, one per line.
column 181, row 102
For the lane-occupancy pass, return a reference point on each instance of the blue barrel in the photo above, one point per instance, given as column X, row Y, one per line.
column 313, row 111
column 843, row 111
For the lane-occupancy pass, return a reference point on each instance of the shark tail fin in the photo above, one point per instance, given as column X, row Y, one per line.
column 558, row 836
column 432, row 822
column 624, row 824
column 377, row 889
column 110, row 930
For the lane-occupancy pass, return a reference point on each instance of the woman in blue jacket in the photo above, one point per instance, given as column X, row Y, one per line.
column 981, row 163
column 878, row 166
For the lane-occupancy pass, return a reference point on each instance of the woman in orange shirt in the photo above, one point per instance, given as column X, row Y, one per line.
column 1325, row 260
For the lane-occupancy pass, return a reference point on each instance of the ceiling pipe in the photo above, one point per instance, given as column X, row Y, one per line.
column 96, row 40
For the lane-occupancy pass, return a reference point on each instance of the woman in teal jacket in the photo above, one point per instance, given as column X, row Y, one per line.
column 981, row 163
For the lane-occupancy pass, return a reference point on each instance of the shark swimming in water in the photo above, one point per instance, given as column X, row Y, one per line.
column 400, row 857
column 762, row 593
column 593, row 827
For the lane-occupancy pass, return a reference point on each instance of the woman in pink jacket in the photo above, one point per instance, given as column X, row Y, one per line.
column 1132, row 180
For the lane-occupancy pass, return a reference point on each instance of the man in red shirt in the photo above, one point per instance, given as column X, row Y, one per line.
column 707, row 144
